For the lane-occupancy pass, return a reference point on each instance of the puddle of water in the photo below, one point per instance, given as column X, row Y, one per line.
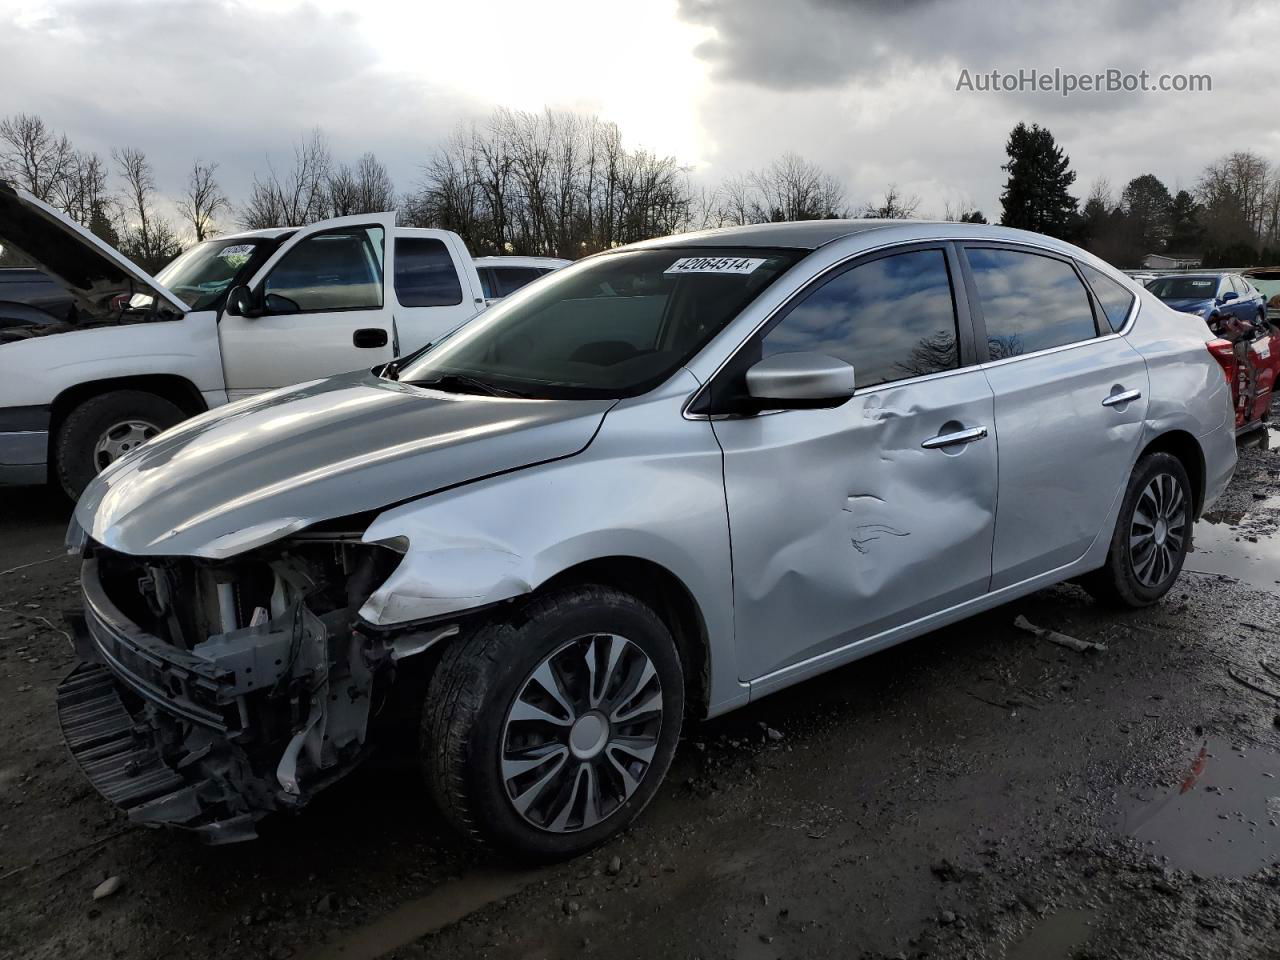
column 1221, row 818
column 1056, row 937
column 1223, row 548
column 450, row 902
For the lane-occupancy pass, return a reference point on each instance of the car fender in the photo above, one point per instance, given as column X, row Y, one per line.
column 642, row 490
column 35, row 371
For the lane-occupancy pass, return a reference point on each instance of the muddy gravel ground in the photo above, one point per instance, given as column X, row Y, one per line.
column 978, row 792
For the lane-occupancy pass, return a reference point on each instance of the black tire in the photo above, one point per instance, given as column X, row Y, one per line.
column 476, row 684
column 1121, row 581
column 74, row 460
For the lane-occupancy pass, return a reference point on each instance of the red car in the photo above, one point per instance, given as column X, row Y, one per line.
column 1250, row 357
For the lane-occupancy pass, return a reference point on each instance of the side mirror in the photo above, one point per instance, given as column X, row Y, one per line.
column 1229, row 296
column 800, row 380
column 240, row 303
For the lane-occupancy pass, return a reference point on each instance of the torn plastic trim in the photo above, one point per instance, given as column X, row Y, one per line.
column 453, row 577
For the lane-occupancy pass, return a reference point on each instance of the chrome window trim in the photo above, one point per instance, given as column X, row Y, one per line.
column 1061, row 348
column 839, row 264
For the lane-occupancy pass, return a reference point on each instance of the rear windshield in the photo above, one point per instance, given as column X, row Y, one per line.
column 613, row 326
column 1184, row 288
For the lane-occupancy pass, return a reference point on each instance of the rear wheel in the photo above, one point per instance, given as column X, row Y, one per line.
column 547, row 731
column 105, row 428
column 1151, row 538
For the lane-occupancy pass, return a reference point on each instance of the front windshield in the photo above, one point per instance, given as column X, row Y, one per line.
column 202, row 274
column 1184, row 288
column 613, row 326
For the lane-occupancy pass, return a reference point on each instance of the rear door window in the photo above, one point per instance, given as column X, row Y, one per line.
column 1115, row 299
column 425, row 275
column 1030, row 302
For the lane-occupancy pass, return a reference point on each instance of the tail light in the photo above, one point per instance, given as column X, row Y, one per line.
column 1224, row 351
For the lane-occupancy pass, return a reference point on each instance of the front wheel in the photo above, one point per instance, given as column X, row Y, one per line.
column 105, row 428
column 1151, row 538
column 548, row 730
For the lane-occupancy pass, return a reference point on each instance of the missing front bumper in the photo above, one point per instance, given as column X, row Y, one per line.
column 120, row 758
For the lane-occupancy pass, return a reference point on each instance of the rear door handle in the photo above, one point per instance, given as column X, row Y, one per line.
column 955, row 439
column 370, row 337
column 1118, row 398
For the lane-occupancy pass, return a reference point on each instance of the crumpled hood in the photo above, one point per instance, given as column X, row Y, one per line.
column 259, row 469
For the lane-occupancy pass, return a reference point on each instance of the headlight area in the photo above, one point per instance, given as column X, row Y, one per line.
column 215, row 691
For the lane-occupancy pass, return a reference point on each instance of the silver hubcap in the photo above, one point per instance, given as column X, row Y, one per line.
column 582, row 733
column 119, row 439
column 1157, row 535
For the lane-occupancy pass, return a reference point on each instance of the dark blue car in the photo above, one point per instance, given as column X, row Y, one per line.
column 1216, row 297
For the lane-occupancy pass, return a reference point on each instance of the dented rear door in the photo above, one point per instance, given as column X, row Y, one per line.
column 847, row 522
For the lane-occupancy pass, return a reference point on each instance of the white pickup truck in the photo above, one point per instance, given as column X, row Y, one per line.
column 134, row 354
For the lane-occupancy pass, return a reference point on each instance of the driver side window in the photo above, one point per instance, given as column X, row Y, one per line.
column 336, row 270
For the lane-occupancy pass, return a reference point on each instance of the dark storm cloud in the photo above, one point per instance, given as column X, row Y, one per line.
column 220, row 80
column 814, row 44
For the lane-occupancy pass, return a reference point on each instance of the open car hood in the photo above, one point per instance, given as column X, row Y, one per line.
column 93, row 271
column 259, row 469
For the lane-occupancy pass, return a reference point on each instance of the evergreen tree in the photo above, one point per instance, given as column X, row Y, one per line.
column 1036, row 194
column 1186, row 234
column 1147, row 202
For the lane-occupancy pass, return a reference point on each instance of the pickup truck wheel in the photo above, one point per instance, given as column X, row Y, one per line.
column 1151, row 538
column 547, row 731
column 103, row 429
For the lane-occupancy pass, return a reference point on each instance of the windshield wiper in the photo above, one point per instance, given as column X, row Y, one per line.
column 460, row 383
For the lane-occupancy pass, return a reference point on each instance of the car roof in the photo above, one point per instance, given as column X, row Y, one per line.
column 798, row 234
column 812, row 234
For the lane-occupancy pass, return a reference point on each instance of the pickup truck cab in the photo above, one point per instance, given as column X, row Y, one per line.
column 134, row 354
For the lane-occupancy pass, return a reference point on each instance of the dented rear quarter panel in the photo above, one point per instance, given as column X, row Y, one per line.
column 1188, row 391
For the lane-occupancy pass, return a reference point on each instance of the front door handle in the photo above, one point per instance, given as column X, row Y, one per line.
column 370, row 337
column 1118, row 398
column 955, row 439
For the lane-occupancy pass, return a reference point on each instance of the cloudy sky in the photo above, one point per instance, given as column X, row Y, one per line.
column 866, row 88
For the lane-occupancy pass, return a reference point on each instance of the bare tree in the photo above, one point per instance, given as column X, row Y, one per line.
column 202, row 200
column 1101, row 193
column 894, row 206
column 551, row 183
column 300, row 196
column 84, row 196
column 963, row 210
column 147, row 238
column 792, row 188
column 366, row 189
column 1234, row 194
column 31, row 154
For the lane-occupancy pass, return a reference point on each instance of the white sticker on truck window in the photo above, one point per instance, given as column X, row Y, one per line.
column 715, row 265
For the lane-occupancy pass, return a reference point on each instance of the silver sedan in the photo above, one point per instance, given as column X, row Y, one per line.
column 653, row 487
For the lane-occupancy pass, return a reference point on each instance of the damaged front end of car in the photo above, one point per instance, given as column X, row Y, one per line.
column 213, row 692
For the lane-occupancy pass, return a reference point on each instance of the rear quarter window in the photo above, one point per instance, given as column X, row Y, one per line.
column 1115, row 299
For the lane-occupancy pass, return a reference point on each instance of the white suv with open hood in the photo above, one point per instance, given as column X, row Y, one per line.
column 230, row 317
